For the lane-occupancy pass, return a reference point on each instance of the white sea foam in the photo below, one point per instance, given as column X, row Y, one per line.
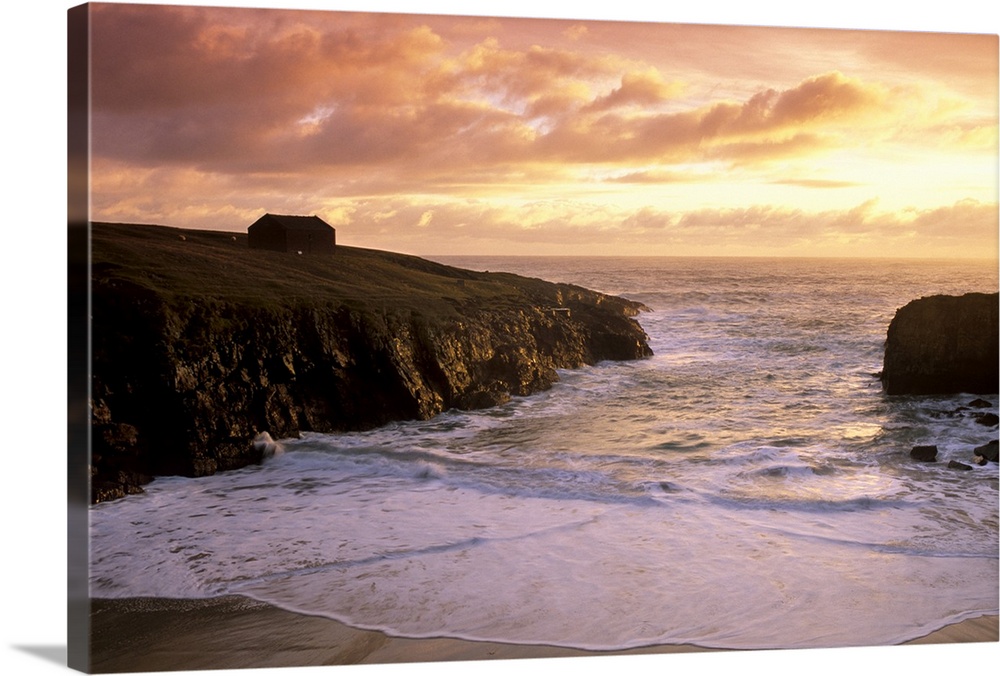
column 268, row 447
column 733, row 491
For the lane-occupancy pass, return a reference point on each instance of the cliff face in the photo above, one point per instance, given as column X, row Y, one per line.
column 182, row 383
column 943, row 345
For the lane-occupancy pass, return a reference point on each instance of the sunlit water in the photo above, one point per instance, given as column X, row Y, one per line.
column 750, row 486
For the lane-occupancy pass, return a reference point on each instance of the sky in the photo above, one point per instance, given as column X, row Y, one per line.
column 437, row 134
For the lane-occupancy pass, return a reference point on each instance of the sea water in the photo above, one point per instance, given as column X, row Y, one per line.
column 749, row 486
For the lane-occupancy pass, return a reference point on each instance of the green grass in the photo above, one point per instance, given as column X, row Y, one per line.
column 220, row 266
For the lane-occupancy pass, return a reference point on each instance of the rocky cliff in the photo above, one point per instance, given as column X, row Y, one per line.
column 943, row 345
column 199, row 343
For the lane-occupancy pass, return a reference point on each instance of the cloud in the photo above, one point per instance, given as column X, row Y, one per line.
column 968, row 220
column 964, row 229
column 518, row 76
column 231, row 89
column 262, row 91
column 827, row 97
column 509, row 222
column 817, row 183
column 637, row 89
column 820, row 113
column 430, row 132
column 658, row 176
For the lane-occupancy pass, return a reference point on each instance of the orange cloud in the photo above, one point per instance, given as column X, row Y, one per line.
column 816, row 183
column 831, row 96
column 637, row 89
column 522, row 75
column 572, row 227
column 271, row 91
column 576, row 32
column 209, row 115
column 657, row 176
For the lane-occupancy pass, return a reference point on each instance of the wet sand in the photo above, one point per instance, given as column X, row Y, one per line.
column 132, row 635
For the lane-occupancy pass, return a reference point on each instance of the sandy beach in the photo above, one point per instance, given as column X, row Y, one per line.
column 134, row 635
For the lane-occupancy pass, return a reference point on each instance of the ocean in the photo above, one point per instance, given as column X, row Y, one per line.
column 749, row 486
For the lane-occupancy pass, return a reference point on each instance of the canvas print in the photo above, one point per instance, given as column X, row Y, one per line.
column 416, row 338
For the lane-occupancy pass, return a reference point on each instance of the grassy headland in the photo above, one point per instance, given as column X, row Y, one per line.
column 220, row 266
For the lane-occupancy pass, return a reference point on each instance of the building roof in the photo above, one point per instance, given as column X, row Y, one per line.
column 314, row 223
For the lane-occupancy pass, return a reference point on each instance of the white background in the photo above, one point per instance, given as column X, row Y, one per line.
column 33, row 328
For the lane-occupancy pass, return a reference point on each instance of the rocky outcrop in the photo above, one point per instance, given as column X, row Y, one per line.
column 988, row 451
column 943, row 345
column 182, row 385
column 924, row 453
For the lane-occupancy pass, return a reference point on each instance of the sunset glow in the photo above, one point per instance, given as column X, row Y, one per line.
column 436, row 134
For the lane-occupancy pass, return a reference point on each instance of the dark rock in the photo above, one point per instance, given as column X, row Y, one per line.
column 182, row 385
column 979, row 403
column 943, row 345
column 988, row 451
column 988, row 419
column 924, row 453
column 955, row 464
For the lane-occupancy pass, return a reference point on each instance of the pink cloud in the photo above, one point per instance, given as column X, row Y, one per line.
column 637, row 89
column 211, row 114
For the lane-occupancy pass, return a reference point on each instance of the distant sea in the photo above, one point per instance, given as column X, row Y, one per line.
column 749, row 486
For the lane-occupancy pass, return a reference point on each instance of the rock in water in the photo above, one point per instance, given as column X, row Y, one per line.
column 924, row 453
column 988, row 419
column 988, row 451
column 943, row 345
